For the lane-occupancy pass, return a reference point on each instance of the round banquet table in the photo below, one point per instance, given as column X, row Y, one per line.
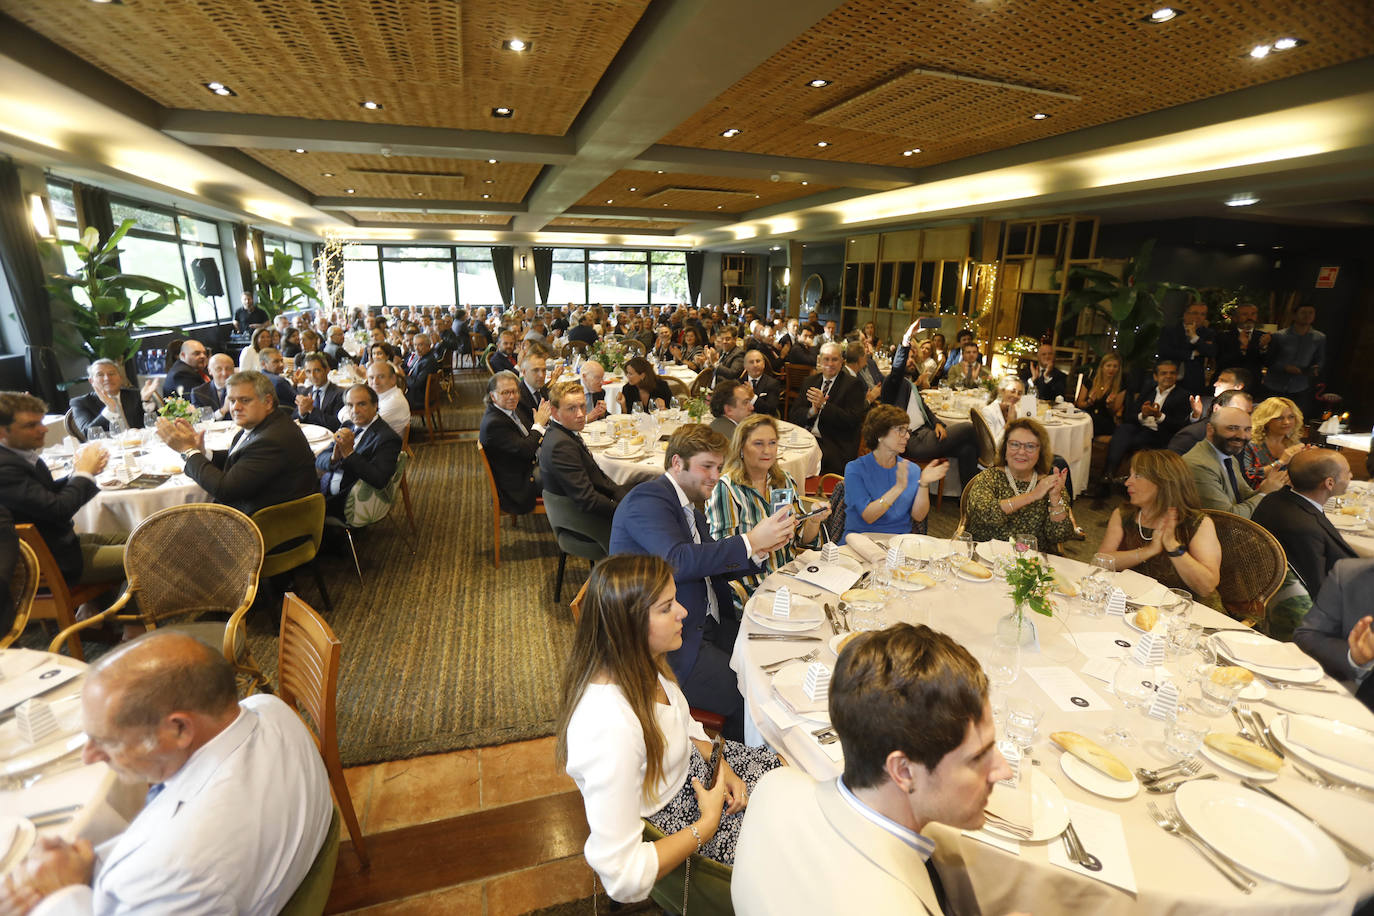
column 1169, row 875
column 1358, row 530
column 612, row 389
column 801, row 461
column 119, row 510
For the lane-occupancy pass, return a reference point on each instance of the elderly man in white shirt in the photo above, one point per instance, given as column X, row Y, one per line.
column 392, row 405
column 238, row 808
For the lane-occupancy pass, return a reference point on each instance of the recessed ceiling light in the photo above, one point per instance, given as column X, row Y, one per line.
column 634, row 189
column 298, row 150
column 219, row 89
column 665, row 205
column 1259, row 51
column 806, row 182
column 370, row 105
column 910, row 152
column 756, row 197
column 719, row 207
column 658, row 171
column 1286, row 44
column 610, row 200
column 730, row 132
column 1240, row 244
column 486, row 196
column 818, row 83
column 502, row 112
column 1277, row 247
column 491, row 162
column 1039, row 116
column 515, row 44
column 776, row 248
column 822, row 143
column 1163, row 14
column 326, row 174
column 419, row 193
column 1244, row 200
column 489, row 181
column 349, row 191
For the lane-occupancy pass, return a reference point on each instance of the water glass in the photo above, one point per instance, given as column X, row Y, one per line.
column 1133, row 684
column 1023, row 720
column 961, row 545
column 1217, row 698
column 1004, row 665
column 1184, row 733
column 865, row 615
column 940, row 569
column 1024, row 546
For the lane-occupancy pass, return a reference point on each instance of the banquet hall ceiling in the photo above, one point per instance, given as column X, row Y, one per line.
column 652, row 118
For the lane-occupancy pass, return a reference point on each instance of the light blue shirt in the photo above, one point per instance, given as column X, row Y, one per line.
column 864, row 481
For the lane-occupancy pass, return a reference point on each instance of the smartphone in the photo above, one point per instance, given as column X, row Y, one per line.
column 717, row 753
column 815, row 509
column 782, row 498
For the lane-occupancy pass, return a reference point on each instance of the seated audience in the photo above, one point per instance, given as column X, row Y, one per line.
column 1337, row 631
column 1213, row 466
column 273, row 364
column 566, row 465
column 291, row 343
column 1022, row 494
column 831, row 405
column 803, row 350
column 930, row 438
column 659, row 517
column 334, row 348
column 512, row 447
column 1154, row 415
column 391, row 401
column 269, row 461
column 643, row 391
column 731, row 402
column 503, row 359
column 1296, row 516
column 211, row 394
column 593, row 379
column 1105, row 398
column 969, row 372
column 28, row 491
column 583, row 331
column 742, row 498
column 1162, row 531
column 320, row 400
column 885, row 492
column 956, row 353
column 312, row 342
column 765, row 389
column 239, row 806
column 627, row 738
column 420, row 369
column 727, row 359
column 1195, row 432
column 109, row 402
column 910, row 707
column 690, row 352
column 1049, row 381
column 365, row 449
column 1275, row 438
column 922, row 366
column 248, row 356
column 188, row 371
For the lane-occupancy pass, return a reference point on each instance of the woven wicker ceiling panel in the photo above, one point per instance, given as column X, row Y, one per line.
column 481, row 221
column 401, row 176
column 579, row 222
column 1100, row 51
column 436, row 63
column 694, row 192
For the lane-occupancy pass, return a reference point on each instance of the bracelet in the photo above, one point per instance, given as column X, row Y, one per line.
column 1177, row 552
column 693, row 827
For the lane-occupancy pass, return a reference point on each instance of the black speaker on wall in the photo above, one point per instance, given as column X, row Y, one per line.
column 205, row 273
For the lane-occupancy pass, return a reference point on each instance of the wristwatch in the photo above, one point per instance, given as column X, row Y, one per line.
column 1178, row 552
column 186, row 453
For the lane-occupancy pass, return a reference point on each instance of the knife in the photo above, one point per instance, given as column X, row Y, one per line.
column 1357, row 855
column 830, row 618
column 784, row 637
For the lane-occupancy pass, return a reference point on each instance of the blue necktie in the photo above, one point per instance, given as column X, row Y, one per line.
column 1231, row 475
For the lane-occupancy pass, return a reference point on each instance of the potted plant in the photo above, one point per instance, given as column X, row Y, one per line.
column 111, row 305
column 278, row 289
column 1031, row 582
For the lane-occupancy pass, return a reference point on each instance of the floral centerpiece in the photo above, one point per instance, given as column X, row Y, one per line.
column 696, row 408
column 1030, row 581
column 609, row 353
column 175, row 407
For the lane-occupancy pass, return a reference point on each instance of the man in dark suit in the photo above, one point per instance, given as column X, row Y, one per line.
column 727, row 359
column 420, row 369
column 504, row 359
column 930, row 438
column 832, row 406
column 1337, row 630
column 511, row 444
column 366, row 449
column 1150, row 419
column 766, row 390
column 269, row 462
column 593, row 381
column 803, row 349
column 1243, row 346
column 28, row 490
column 566, row 465
column 335, row 348
column 535, row 381
column 1190, row 343
column 108, row 400
column 1048, row 380
column 322, row 400
column 660, row 517
column 188, row 372
column 1295, row 516
column 273, row 363
column 731, row 402
column 583, row 331
column 211, row 394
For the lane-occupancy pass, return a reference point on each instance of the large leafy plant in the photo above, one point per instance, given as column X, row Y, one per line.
column 278, row 289
column 1129, row 306
column 112, row 305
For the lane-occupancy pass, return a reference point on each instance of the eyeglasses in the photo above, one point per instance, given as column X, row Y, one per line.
column 1023, row 446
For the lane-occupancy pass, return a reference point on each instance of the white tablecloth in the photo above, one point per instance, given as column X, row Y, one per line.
column 801, row 462
column 1169, row 875
column 1357, row 441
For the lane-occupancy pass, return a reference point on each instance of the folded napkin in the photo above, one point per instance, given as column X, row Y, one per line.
column 795, row 700
column 1013, row 805
column 14, row 662
column 1344, row 743
column 1267, row 653
column 865, row 547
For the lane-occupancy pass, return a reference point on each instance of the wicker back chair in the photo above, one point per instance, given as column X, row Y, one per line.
column 223, row 558
column 69, row 424
column 700, row 383
column 987, row 445
column 23, row 587
column 678, row 387
column 633, row 347
column 1253, row 567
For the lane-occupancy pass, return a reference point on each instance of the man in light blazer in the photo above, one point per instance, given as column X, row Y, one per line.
column 1337, row 633
column 1222, row 487
column 862, row 848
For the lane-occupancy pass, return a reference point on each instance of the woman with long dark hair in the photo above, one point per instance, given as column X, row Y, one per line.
column 643, row 390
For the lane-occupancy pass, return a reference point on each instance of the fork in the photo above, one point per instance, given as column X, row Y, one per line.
column 1170, row 823
column 1187, row 767
column 775, row 667
column 1164, row 788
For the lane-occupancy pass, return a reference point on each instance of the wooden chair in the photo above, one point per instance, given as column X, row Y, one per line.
column 69, row 424
column 634, row 347
column 1253, row 567
column 823, row 485
column 57, row 600
column 580, row 346
column 564, row 518
column 308, row 681
column 700, row 384
column 987, row 445
column 794, row 377
column 497, row 512
column 405, row 487
column 431, row 415
column 678, row 387
column 222, row 551
column 23, row 588
column 291, row 533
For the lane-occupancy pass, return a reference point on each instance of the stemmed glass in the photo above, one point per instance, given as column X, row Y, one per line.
column 1024, row 546
column 1003, row 668
column 961, row 545
column 1133, row 684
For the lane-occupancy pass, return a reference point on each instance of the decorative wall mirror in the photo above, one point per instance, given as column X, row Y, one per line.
column 812, row 290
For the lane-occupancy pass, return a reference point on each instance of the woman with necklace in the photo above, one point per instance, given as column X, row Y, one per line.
column 1277, row 437
column 884, row 492
column 1022, row 493
column 1163, row 532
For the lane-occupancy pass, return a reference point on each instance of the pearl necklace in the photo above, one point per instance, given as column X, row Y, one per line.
column 1143, row 536
column 1016, row 485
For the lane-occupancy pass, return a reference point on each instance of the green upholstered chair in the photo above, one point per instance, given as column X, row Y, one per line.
column 313, row 892
column 291, row 533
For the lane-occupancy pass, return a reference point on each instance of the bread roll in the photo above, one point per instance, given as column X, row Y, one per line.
column 1244, row 751
column 914, row 576
column 1064, row 586
column 1350, row 510
column 975, row 569
column 1232, row 676
column 1093, row 754
column 1147, row 617
column 862, row 594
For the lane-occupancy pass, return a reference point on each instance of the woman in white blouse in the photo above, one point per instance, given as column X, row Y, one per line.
column 248, row 356
column 628, row 739
column 1002, row 411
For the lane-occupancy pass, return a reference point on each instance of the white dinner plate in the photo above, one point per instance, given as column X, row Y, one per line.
column 1049, row 811
column 967, row 578
column 1236, row 767
column 788, row 683
column 632, row 452
column 42, row 755
column 1337, row 768
column 835, row 641
column 1096, row 781
column 994, row 550
column 1141, row 589
column 806, row 614
column 17, row 835
column 1262, row 835
column 1129, row 617
column 919, row 546
column 1295, row 675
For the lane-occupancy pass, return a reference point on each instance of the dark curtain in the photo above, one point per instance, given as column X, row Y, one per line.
column 241, row 258
column 543, row 272
column 93, row 209
column 503, row 262
column 696, row 265
column 24, row 273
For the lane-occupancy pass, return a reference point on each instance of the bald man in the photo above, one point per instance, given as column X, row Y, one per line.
column 239, row 802
column 1295, row 515
column 211, row 394
column 1215, row 466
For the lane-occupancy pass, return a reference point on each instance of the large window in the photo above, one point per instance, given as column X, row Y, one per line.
column 618, row 277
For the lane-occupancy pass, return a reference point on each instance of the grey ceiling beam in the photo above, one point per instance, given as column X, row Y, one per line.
column 731, row 164
column 679, row 57
column 585, row 229
column 250, row 131
column 414, row 205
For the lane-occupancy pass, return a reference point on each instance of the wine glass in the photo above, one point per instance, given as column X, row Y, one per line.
column 1133, row 684
column 1024, row 546
column 962, row 546
column 1023, row 720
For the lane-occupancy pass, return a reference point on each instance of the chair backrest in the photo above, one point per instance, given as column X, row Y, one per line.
column 634, row 346
column 794, row 376
column 963, row 512
column 291, row 533
column 1253, row 565
column 23, row 587
column 491, row 481
column 193, row 559
column 485, row 352
column 405, row 441
column 566, row 520
column 834, row 525
column 49, row 575
column 308, row 656
column 678, row 387
column 433, row 390
column 367, row 505
column 700, row 383
column 69, row 423
column 987, row 445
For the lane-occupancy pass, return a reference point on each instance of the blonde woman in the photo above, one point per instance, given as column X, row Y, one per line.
column 1105, row 397
column 1275, row 437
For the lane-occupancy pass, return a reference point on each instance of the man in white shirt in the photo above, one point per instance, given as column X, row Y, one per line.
column 392, row 405
column 110, row 402
column 238, row 808
column 910, row 706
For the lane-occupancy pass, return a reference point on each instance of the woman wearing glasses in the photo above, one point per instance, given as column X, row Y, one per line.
column 1022, row 493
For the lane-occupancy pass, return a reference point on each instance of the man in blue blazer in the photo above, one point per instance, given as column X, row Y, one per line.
column 1337, row 632
column 661, row 517
column 363, row 450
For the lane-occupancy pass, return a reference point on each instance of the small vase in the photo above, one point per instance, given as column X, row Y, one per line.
column 1016, row 629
